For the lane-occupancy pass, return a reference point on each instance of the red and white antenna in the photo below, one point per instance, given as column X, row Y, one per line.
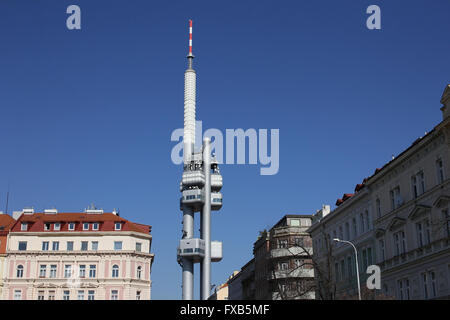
column 190, row 38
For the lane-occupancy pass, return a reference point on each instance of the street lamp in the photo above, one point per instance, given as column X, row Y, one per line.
column 356, row 261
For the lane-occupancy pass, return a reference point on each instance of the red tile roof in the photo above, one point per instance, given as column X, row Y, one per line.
column 106, row 222
column 6, row 222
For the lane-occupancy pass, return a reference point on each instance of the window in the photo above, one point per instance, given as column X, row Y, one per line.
column 19, row 271
column 139, row 272
column 382, row 250
column 400, row 242
column 67, row 271
column 400, row 289
column 42, row 271
column 84, row 245
column 95, row 226
column 22, row 245
column 349, row 267
column 95, row 245
column 17, row 294
column 92, row 270
column 418, row 184
column 407, row 296
column 51, row 295
column 138, row 295
column 282, row 266
column 342, row 269
column 57, row 226
column 82, row 271
column 71, row 226
column 295, row 223
column 396, row 199
column 23, row 226
column 355, row 231
column 361, row 222
column 282, row 244
column 336, row 271
column 138, row 246
column 117, row 245
column 347, row 231
column 55, row 246
column 85, row 226
column 91, row 295
column 66, row 295
column 41, row 294
column 423, row 233
column 364, row 258
column 69, row 245
column 115, row 271
column 298, row 263
column 440, row 171
column 425, row 285
column 341, row 232
column 47, row 226
column 367, row 220
column 117, row 226
column 45, row 245
column 446, row 215
column 114, row 294
column 378, row 207
column 369, row 256
column 80, row 294
column 299, row 242
column 53, row 271
column 433, row 284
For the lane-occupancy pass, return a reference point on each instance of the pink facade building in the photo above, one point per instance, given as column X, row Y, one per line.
column 77, row 256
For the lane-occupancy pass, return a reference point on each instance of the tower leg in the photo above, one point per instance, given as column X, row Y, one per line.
column 206, row 223
column 188, row 264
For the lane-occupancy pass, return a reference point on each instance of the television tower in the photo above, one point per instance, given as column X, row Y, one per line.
column 200, row 187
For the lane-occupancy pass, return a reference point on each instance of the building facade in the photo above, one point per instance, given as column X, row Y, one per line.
column 6, row 222
column 398, row 219
column 77, row 256
column 281, row 268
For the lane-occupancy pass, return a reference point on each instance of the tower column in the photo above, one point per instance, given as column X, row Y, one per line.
column 188, row 264
column 206, row 223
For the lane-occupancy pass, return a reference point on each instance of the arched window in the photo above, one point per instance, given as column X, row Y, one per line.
column 139, row 272
column 115, row 271
column 20, row 271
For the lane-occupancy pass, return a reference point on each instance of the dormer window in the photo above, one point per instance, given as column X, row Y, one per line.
column 57, row 226
column 117, row 226
column 85, row 226
column 71, row 226
column 95, row 226
column 47, row 226
column 23, row 226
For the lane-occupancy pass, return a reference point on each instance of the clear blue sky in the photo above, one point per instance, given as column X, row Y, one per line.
column 86, row 116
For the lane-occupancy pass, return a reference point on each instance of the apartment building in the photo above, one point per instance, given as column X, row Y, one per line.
column 242, row 285
column 398, row 218
column 90, row 255
column 6, row 222
column 282, row 264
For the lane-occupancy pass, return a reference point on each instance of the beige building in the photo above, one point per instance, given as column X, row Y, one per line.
column 77, row 256
column 398, row 218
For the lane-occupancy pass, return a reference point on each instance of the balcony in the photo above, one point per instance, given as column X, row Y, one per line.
column 290, row 252
column 421, row 252
column 292, row 273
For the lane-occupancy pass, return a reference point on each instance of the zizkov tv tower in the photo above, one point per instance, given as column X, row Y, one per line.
column 200, row 187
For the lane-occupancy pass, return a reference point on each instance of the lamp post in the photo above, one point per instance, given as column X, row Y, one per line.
column 356, row 261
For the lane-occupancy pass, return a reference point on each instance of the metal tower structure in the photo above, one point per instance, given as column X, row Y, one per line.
column 200, row 187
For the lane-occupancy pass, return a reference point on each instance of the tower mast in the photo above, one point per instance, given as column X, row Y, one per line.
column 200, row 186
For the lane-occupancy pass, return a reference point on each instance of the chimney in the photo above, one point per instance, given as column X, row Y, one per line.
column 445, row 100
column 325, row 210
column 28, row 211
